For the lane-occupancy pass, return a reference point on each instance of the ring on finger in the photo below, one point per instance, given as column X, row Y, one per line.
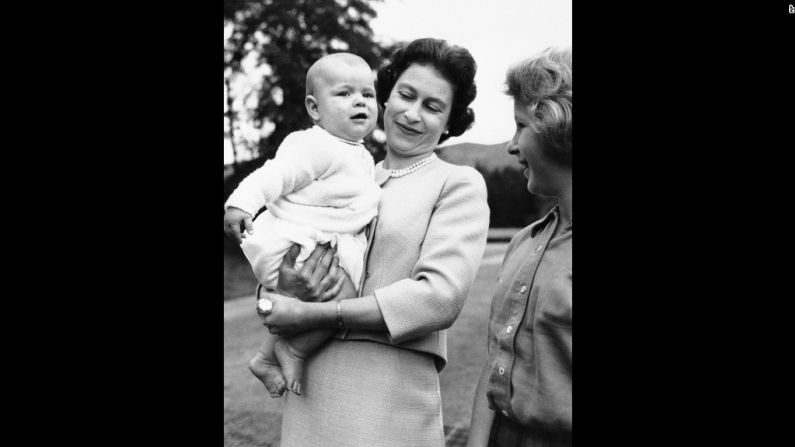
column 264, row 306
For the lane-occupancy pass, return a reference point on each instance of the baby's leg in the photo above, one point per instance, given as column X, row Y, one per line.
column 292, row 353
column 265, row 367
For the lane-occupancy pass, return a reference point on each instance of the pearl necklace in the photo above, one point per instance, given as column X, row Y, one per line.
column 410, row 169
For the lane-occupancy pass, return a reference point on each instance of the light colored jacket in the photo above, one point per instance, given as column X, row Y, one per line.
column 423, row 255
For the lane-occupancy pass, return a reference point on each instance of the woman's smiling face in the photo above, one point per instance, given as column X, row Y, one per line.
column 417, row 111
column 525, row 145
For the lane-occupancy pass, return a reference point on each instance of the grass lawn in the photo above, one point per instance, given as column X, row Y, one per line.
column 466, row 342
column 239, row 280
column 252, row 418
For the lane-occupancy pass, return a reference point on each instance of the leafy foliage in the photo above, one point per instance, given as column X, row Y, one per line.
column 510, row 203
column 288, row 36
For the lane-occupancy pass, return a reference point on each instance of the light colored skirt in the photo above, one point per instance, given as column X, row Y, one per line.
column 363, row 393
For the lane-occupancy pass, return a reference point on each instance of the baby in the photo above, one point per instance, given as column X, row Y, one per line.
column 318, row 189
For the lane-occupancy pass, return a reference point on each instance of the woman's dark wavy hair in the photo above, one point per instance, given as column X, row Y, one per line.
column 454, row 63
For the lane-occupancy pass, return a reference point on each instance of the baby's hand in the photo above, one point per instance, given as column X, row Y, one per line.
column 233, row 217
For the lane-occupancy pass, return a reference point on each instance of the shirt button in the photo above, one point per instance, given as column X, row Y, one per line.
column 505, row 413
column 539, row 248
column 523, row 289
column 501, row 370
column 508, row 330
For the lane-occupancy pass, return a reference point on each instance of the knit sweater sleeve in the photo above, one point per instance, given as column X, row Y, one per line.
column 301, row 159
column 431, row 299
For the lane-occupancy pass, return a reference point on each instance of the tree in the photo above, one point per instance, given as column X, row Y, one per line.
column 510, row 204
column 288, row 36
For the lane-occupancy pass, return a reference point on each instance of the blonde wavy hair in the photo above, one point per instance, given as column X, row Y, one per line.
column 543, row 85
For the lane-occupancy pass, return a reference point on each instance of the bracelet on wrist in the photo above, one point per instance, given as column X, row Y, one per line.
column 340, row 321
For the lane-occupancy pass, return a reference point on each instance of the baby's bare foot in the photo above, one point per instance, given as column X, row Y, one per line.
column 292, row 363
column 267, row 370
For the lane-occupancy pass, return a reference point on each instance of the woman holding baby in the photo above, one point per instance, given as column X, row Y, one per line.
column 375, row 382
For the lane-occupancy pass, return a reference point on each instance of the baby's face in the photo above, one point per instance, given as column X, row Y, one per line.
column 346, row 101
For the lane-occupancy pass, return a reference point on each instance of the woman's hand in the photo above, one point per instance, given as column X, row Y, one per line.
column 346, row 288
column 320, row 278
column 288, row 316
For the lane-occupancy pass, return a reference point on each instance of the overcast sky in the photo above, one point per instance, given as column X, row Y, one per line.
column 498, row 33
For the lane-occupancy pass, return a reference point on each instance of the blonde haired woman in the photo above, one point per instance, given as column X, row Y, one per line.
column 523, row 397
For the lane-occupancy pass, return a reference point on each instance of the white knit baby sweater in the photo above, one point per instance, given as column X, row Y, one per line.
column 315, row 179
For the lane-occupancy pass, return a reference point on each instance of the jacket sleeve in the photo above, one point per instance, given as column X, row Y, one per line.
column 431, row 299
column 299, row 161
